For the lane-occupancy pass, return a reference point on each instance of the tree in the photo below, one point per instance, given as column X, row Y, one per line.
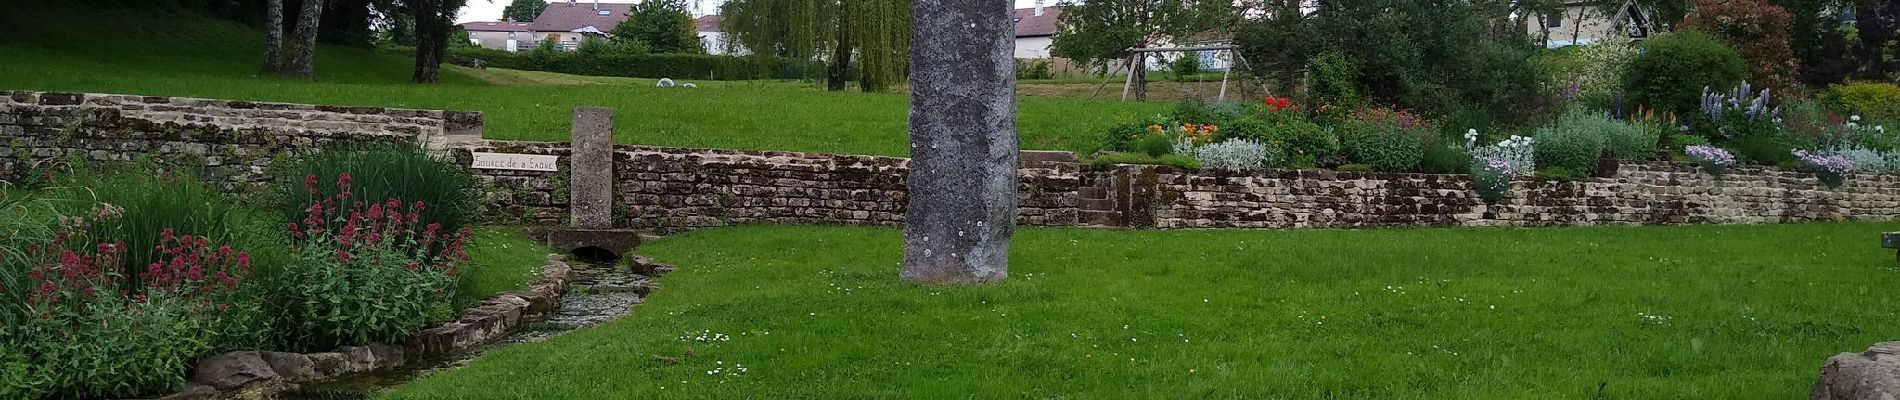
column 1876, row 22
column 433, row 19
column 1443, row 58
column 961, row 206
column 524, row 10
column 1756, row 30
column 273, row 37
column 874, row 32
column 663, row 26
column 1097, row 31
column 303, row 46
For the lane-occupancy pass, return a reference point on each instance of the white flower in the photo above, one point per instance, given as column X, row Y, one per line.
column 1855, row 118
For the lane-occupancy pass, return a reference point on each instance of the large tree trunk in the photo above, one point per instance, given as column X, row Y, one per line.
column 840, row 71
column 1141, row 76
column 431, row 39
column 1875, row 21
column 961, row 206
column 303, row 49
column 273, row 37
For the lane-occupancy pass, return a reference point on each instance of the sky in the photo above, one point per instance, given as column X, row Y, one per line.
column 490, row 10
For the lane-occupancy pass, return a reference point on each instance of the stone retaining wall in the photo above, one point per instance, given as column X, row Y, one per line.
column 1639, row 193
column 226, row 141
column 666, row 190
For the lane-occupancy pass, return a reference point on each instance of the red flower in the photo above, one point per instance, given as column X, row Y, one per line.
column 343, row 181
column 310, row 183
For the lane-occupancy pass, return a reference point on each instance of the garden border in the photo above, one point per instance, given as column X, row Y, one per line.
column 262, row 374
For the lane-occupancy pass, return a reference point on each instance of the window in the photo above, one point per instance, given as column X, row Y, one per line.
column 1555, row 20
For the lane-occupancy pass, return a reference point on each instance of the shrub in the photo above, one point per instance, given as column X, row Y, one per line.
column 1445, row 157
column 1356, row 168
column 1674, row 68
column 1185, row 67
column 1870, row 100
column 1155, row 145
column 1742, row 120
column 1602, row 68
column 1235, row 155
column 1517, row 152
column 1385, row 150
column 1387, row 140
column 610, row 62
column 1031, row 68
column 85, row 335
column 1333, row 86
column 1758, row 31
column 1569, row 144
column 1869, row 160
column 367, row 272
column 384, row 172
column 154, row 204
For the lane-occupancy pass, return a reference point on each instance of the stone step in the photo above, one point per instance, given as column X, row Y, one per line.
column 1096, row 204
column 1092, row 192
column 1099, row 218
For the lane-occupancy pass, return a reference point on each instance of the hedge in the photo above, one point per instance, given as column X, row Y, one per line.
column 677, row 66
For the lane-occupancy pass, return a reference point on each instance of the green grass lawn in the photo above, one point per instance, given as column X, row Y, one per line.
column 155, row 53
column 501, row 259
column 817, row 312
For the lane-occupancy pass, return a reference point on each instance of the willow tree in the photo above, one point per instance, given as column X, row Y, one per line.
column 876, row 33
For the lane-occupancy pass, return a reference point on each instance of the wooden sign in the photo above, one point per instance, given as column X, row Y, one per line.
column 518, row 162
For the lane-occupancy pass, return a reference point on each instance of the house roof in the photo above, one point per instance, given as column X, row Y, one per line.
column 494, row 26
column 710, row 23
column 574, row 16
column 1028, row 24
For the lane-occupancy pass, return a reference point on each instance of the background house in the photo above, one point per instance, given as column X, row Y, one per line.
column 1590, row 22
column 713, row 37
column 1035, row 31
column 498, row 35
column 569, row 23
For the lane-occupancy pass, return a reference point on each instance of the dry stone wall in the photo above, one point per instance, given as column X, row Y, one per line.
column 1639, row 193
column 226, row 141
column 666, row 190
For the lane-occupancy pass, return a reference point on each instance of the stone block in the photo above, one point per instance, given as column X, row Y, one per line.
column 591, row 168
column 232, row 370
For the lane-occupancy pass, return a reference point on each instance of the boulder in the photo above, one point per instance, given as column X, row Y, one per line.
column 1870, row 375
column 387, row 356
column 357, row 359
column 291, row 366
column 232, row 370
column 327, row 365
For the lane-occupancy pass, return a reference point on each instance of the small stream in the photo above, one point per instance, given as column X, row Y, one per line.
column 596, row 293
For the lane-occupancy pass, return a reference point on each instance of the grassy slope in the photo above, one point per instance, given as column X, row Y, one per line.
column 180, row 55
column 501, row 259
column 1404, row 313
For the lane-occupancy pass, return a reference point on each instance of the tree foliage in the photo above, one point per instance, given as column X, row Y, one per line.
column 1441, row 57
column 524, row 10
column 876, row 32
column 1756, row 30
column 662, row 26
column 1105, row 29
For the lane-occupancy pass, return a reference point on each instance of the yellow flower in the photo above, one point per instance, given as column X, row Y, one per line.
column 1154, row 128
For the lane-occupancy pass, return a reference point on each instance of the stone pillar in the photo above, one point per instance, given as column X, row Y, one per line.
column 961, row 207
column 591, row 168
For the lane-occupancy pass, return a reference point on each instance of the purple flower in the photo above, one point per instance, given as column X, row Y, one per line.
column 1829, row 163
column 1710, row 155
